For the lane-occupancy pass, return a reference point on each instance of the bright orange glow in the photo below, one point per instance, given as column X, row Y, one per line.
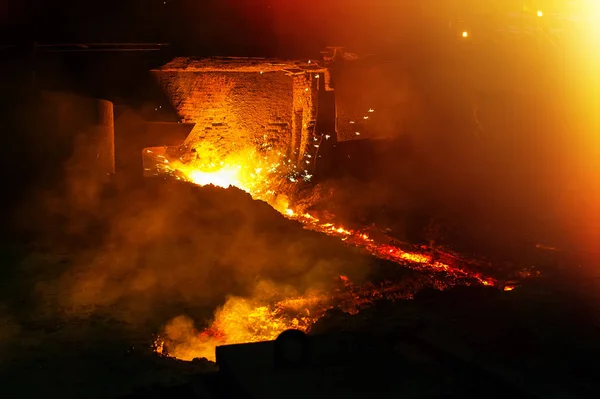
column 239, row 321
column 465, row 34
column 254, row 319
column 582, row 44
column 245, row 169
column 225, row 177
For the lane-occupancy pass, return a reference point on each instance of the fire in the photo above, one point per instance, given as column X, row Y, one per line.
column 225, row 177
column 243, row 320
column 239, row 321
column 247, row 169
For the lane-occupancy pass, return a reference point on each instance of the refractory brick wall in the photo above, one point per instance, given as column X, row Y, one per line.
column 235, row 105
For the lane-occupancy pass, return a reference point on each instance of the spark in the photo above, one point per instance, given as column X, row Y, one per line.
column 251, row 172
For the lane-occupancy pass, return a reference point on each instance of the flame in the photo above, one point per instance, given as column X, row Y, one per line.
column 240, row 320
column 255, row 172
column 243, row 320
column 225, row 177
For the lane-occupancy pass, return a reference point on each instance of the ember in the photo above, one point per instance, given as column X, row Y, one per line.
column 255, row 130
column 250, row 320
column 243, row 320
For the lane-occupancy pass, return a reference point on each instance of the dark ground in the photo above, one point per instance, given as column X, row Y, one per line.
column 80, row 303
column 85, row 285
column 85, row 289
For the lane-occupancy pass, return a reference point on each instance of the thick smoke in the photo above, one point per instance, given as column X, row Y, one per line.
column 148, row 252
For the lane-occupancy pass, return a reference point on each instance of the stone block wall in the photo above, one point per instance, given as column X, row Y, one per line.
column 237, row 104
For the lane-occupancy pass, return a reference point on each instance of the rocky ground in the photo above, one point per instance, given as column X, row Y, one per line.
column 85, row 288
column 88, row 281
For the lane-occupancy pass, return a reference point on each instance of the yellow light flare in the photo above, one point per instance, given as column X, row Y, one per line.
column 239, row 321
column 246, row 169
column 540, row 13
column 465, row 34
column 225, row 178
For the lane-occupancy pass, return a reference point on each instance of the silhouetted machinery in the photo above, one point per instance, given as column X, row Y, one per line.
column 341, row 365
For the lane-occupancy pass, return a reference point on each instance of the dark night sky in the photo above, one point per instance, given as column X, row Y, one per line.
column 190, row 25
column 223, row 27
column 237, row 27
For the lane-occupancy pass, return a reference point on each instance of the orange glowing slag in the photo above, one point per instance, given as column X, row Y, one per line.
column 251, row 320
column 424, row 262
column 225, row 177
column 243, row 320
column 248, row 170
column 238, row 321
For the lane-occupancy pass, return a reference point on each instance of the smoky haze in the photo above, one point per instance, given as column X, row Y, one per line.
column 146, row 253
column 490, row 157
column 494, row 144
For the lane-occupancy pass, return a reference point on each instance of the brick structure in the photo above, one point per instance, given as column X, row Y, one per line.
column 235, row 103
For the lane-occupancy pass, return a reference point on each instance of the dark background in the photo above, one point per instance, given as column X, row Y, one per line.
column 198, row 27
column 499, row 193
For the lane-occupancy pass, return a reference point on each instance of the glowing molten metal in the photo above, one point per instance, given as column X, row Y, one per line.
column 226, row 177
column 251, row 320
